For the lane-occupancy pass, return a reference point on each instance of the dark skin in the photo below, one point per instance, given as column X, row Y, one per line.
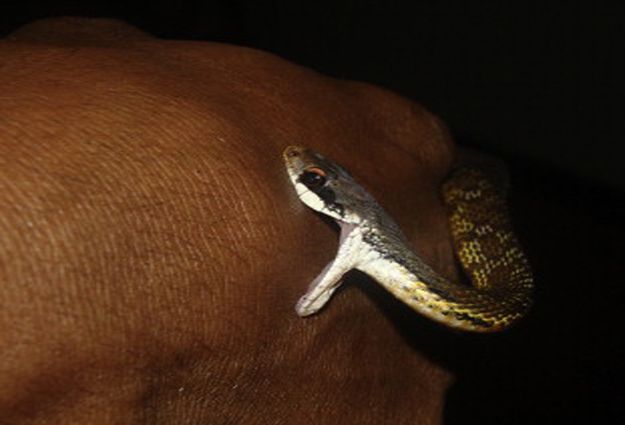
column 153, row 249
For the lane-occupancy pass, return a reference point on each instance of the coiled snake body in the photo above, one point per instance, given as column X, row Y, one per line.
column 371, row 242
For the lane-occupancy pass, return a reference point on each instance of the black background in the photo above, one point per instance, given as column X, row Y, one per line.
column 538, row 84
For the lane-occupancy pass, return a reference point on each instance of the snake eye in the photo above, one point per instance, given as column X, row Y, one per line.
column 313, row 178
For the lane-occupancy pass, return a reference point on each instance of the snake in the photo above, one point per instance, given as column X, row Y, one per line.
column 489, row 252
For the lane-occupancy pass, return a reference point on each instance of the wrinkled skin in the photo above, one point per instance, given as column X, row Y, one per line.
column 152, row 248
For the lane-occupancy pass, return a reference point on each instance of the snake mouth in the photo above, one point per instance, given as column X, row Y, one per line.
column 297, row 158
column 292, row 152
column 292, row 156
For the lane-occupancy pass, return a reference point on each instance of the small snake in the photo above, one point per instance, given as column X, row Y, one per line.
column 370, row 241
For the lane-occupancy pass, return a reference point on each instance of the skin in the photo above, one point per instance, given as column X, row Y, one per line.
column 152, row 248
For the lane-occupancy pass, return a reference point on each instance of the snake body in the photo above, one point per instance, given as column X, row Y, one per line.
column 371, row 242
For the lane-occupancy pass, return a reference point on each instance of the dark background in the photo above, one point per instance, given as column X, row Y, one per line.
column 538, row 84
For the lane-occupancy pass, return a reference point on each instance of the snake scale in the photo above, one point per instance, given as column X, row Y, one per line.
column 370, row 241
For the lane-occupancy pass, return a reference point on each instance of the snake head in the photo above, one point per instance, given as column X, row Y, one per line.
column 325, row 186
